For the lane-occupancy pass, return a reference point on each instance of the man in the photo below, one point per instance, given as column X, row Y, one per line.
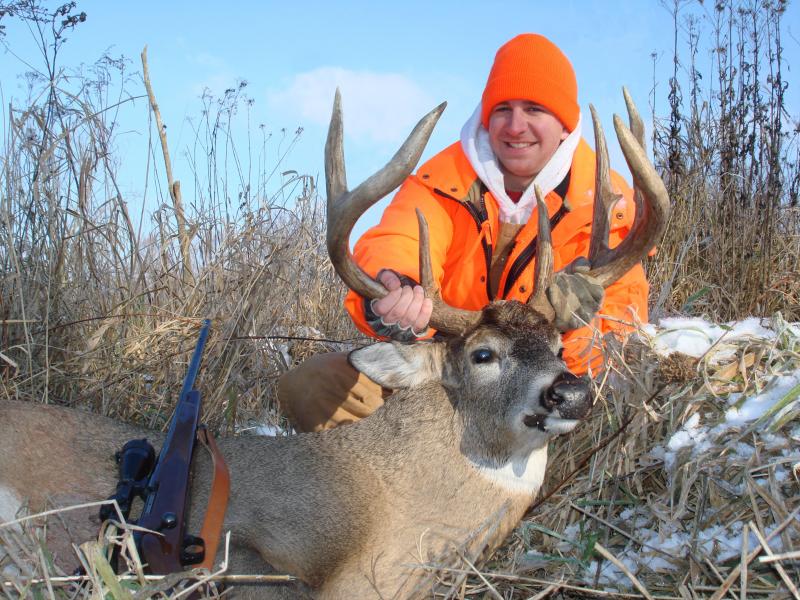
column 478, row 198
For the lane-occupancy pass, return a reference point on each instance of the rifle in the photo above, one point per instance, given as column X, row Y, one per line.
column 164, row 483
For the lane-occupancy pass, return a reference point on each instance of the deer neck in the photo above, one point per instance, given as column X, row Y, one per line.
column 434, row 434
column 521, row 474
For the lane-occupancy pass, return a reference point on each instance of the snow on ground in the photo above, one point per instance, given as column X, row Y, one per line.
column 719, row 436
column 267, row 430
column 695, row 337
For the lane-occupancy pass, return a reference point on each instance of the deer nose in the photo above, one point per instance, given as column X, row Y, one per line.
column 570, row 395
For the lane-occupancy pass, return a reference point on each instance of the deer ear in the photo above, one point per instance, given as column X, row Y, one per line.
column 396, row 366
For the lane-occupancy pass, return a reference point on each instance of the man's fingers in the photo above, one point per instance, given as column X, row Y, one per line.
column 409, row 317
column 389, row 279
column 404, row 305
column 399, row 309
column 421, row 324
column 384, row 305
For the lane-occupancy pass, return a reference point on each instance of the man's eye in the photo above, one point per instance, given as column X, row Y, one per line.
column 482, row 355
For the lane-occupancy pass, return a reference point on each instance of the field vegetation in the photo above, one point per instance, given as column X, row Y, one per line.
column 100, row 313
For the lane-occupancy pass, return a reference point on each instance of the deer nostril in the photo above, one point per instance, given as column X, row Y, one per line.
column 569, row 393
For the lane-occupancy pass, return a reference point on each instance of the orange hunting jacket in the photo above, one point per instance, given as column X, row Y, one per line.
column 463, row 224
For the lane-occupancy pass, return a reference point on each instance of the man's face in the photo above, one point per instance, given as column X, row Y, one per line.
column 524, row 136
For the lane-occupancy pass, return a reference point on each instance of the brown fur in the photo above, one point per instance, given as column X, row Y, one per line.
column 350, row 511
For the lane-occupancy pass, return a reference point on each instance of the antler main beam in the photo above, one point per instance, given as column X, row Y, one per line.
column 345, row 207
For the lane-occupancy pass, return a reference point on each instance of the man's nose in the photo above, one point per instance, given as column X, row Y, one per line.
column 516, row 121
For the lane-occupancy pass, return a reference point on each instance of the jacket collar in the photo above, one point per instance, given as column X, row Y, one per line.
column 450, row 174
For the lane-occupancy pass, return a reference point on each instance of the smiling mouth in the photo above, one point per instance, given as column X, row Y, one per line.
column 518, row 145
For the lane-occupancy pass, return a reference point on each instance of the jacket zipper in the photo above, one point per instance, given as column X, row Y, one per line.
column 526, row 256
column 480, row 217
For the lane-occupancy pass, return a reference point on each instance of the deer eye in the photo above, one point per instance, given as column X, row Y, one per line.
column 482, row 355
column 560, row 353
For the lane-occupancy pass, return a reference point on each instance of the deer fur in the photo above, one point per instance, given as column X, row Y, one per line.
column 445, row 469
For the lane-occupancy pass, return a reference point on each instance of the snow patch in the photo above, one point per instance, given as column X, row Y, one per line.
column 756, row 406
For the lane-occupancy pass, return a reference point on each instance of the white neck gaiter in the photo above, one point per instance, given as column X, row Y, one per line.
column 475, row 142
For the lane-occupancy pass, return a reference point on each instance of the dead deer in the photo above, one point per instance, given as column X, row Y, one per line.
column 444, row 471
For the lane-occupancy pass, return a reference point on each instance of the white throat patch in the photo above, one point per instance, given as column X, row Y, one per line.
column 521, row 475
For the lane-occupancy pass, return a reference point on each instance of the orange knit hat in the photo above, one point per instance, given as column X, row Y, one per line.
column 531, row 67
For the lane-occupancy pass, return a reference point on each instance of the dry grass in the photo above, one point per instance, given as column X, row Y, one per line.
column 99, row 312
column 28, row 568
column 728, row 152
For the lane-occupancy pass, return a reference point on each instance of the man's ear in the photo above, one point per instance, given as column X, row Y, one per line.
column 396, row 366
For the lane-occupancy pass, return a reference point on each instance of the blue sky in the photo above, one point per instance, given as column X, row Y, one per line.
column 393, row 62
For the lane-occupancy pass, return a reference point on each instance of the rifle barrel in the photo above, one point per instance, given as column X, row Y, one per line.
column 188, row 386
column 194, row 364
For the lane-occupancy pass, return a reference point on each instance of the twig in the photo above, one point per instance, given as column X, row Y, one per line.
column 174, row 186
column 795, row 555
column 62, row 581
column 493, row 591
column 735, row 572
column 618, row 563
column 778, row 567
column 551, row 589
column 293, row 337
column 745, row 548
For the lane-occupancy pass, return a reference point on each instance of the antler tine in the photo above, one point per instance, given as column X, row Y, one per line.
column 335, row 173
column 651, row 198
column 345, row 207
column 604, row 196
column 544, row 261
column 637, row 126
column 444, row 317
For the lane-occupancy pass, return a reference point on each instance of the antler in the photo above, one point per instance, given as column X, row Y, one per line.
column 345, row 207
column 652, row 211
column 544, row 261
column 650, row 197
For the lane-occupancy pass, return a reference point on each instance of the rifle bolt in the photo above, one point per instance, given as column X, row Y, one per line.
column 168, row 520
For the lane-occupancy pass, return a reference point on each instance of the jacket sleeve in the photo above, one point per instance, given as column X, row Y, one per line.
column 394, row 242
column 625, row 302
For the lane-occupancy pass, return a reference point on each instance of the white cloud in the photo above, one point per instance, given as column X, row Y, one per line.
column 217, row 75
column 377, row 107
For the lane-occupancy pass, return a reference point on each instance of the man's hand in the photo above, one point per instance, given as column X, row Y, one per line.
column 404, row 305
column 575, row 297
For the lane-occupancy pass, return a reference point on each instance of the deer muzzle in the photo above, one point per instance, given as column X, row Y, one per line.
column 569, row 396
